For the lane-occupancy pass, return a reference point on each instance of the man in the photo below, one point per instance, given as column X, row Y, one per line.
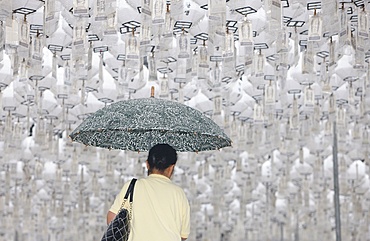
column 160, row 210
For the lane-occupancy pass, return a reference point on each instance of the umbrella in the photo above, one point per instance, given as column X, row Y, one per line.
column 139, row 124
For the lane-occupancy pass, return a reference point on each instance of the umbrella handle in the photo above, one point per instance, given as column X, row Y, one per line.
column 152, row 92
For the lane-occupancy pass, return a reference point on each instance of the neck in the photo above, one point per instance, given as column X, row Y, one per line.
column 167, row 172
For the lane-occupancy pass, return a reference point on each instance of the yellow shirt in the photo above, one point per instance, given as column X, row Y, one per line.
column 161, row 210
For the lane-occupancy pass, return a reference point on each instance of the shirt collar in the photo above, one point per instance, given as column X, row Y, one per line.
column 159, row 176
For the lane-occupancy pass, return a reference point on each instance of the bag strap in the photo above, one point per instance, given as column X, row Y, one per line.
column 129, row 192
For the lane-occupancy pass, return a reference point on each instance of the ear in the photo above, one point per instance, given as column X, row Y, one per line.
column 147, row 164
column 169, row 171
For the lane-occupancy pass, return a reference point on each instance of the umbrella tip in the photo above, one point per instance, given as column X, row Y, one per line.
column 152, row 92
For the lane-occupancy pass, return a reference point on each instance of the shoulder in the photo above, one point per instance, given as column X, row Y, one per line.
column 125, row 187
column 174, row 186
column 179, row 190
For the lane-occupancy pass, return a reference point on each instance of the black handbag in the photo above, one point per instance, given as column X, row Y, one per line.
column 119, row 227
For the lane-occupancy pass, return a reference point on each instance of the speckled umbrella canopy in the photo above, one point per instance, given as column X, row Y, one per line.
column 138, row 124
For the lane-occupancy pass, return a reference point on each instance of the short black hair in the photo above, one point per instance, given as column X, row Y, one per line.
column 161, row 156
